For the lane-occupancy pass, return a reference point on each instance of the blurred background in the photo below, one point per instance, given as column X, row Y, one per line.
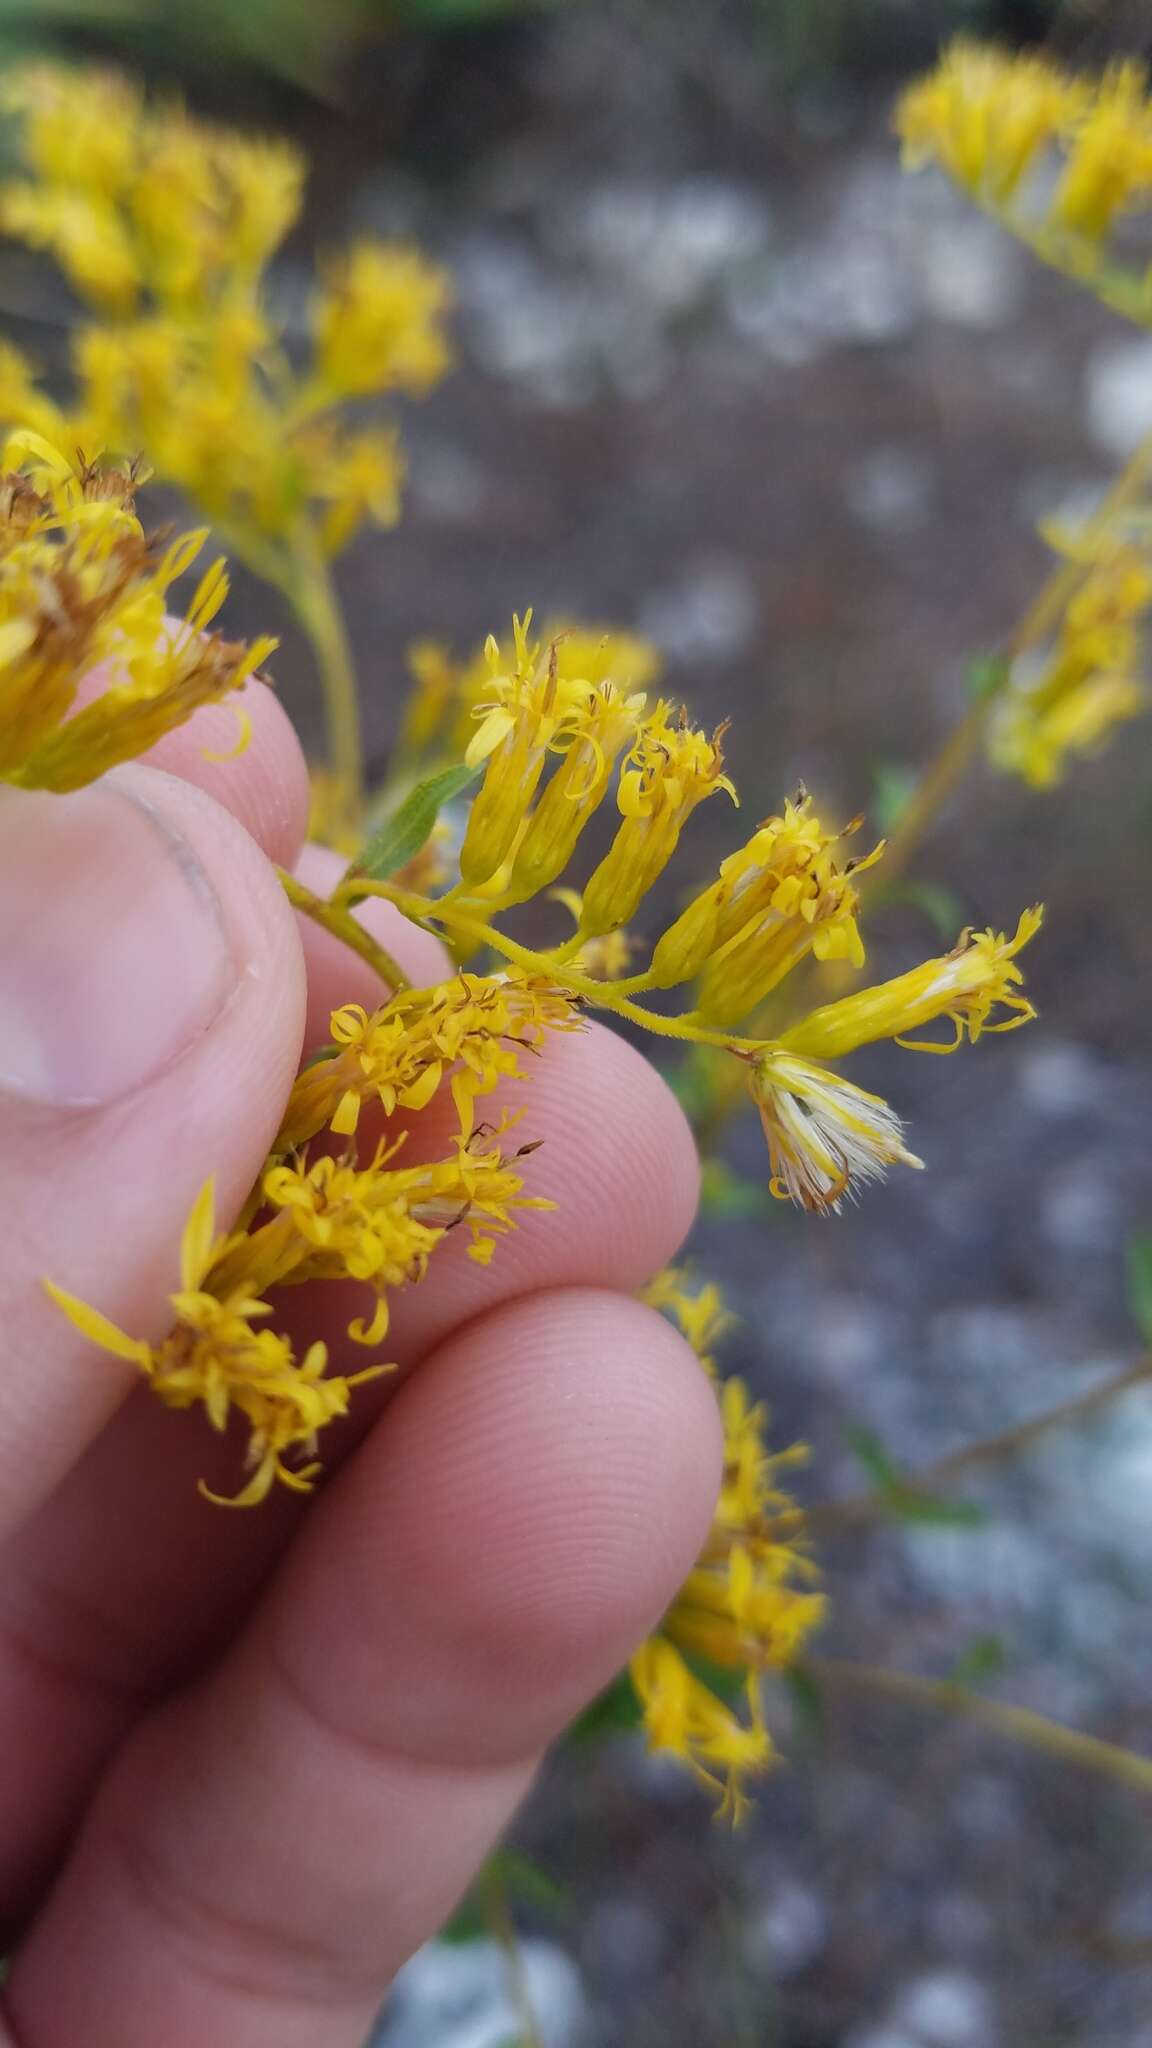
column 727, row 377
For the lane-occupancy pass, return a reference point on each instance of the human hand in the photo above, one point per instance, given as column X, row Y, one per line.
column 249, row 1761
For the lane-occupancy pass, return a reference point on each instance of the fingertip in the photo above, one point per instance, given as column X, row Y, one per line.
column 264, row 786
column 522, row 1515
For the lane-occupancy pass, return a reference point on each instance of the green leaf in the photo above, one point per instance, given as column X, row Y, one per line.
column 984, row 1658
column 400, row 836
column 615, row 1711
column 1140, row 1282
column 893, row 785
column 807, row 1697
column 903, row 1499
column 909, row 1506
column 943, row 909
column 521, row 1880
column 526, row 1881
column 870, row 1453
column 987, row 673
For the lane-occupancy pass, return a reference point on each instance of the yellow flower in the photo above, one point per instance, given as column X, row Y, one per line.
column 1109, row 165
column 827, row 1136
column 215, row 1357
column 80, row 587
column 380, row 1224
column 748, row 1606
column 672, row 768
column 1092, row 678
column 472, row 1029
column 599, row 728
column 785, row 894
column 968, row 986
column 379, row 322
column 684, row 1717
column 986, row 116
column 530, row 709
column 700, row 1315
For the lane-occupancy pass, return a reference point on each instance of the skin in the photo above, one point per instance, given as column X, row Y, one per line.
column 249, row 1761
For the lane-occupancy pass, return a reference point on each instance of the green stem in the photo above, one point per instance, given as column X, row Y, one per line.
column 312, row 595
column 606, row 995
column 1020, row 1724
column 498, row 1913
column 331, row 917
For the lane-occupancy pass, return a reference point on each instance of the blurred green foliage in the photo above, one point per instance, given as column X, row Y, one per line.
column 304, row 42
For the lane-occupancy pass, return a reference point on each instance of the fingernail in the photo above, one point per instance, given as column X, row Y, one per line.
column 114, row 956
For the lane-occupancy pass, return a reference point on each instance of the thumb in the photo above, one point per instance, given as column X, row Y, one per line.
column 151, row 1013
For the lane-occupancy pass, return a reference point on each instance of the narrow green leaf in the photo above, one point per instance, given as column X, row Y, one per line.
column 987, row 673
column 984, row 1658
column 400, row 836
column 940, row 905
column 909, row 1506
column 893, row 784
column 870, row 1453
column 807, row 1697
column 526, row 1881
column 1140, row 1282
column 615, row 1711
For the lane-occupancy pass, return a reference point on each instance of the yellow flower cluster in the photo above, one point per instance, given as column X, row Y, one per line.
column 166, row 226
column 84, row 591
column 1057, row 157
column 788, row 893
column 1069, row 698
column 553, row 743
column 439, row 711
column 749, row 1605
column 373, row 1222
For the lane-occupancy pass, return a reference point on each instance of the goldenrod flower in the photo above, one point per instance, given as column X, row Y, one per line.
column 1092, row 679
column 531, row 709
column 748, row 1606
column 1109, row 166
column 470, row 1031
column 987, row 116
column 783, row 895
column 379, row 1224
column 825, row 1135
column 969, row 986
column 379, row 323
column 440, row 709
column 700, row 1314
column 169, row 238
column 81, row 587
column 672, row 768
column 215, row 1357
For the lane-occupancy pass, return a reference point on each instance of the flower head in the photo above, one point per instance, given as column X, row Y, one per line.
column 987, row 116
column 82, row 589
column 1069, row 700
column 976, row 987
column 379, row 322
column 786, row 893
column 825, row 1135
column 471, row 1032
column 671, row 768
column 216, row 1357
